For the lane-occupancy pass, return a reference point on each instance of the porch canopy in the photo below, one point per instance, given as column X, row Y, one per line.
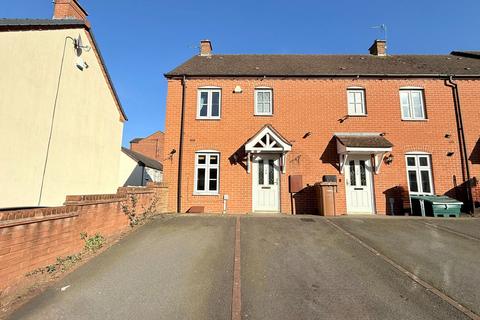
column 374, row 144
column 267, row 140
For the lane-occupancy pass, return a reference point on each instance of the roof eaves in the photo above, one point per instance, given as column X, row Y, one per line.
column 327, row 75
column 143, row 160
column 40, row 24
column 467, row 54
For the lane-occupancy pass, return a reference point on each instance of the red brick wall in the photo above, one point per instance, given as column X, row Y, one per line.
column 151, row 146
column 471, row 117
column 34, row 238
column 316, row 105
column 65, row 9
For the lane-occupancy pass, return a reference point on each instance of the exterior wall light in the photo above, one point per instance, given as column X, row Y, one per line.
column 388, row 159
column 237, row 89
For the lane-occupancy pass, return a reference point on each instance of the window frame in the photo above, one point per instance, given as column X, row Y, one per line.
column 412, row 117
column 255, row 109
column 417, row 168
column 364, row 105
column 207, row 166
column 210, row 91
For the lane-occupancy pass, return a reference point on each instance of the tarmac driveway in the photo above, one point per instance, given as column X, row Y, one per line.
column 300, row 267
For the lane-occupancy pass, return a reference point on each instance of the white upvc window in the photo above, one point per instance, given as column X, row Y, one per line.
column 207, row 173
column 411, row 101
column 209, row 103
column 263, row 102
column 356, row 102
column 419, row 174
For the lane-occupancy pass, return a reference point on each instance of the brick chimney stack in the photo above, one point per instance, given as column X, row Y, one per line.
column 379, row 48
column 205, row 48
column 69, row 9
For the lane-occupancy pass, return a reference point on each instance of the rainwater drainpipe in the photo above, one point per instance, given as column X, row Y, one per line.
column 142, row 165
column 461, row 139
column 180, row 147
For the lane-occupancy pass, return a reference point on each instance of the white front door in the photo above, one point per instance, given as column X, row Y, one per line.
column 358, row 184
column 266, row 183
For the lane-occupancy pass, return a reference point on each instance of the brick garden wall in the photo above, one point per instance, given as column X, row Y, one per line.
column 34, row 238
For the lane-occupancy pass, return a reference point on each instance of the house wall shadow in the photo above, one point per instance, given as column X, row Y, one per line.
column 397, row 201
column 460, row 193
column 475, row 155
column 239, row 157
column 305, row 202
column 329, row 155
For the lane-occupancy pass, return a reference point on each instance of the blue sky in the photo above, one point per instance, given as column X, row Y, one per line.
column 143, row 39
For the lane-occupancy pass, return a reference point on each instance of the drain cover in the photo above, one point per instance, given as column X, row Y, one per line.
column 307, row 220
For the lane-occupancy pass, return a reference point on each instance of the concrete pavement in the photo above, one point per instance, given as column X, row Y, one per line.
column 297, row 267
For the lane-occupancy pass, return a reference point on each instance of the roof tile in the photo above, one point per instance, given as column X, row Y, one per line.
column 327, row 65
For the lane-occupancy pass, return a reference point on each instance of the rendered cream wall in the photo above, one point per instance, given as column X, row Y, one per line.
column 130, row 173
column 87, row 131
column 153, row 175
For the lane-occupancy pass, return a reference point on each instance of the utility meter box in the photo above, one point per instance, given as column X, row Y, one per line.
column 295, row 183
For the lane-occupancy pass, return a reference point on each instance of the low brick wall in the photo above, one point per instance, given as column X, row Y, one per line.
column 34, row 238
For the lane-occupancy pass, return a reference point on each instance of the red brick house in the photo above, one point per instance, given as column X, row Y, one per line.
column 151, row 146
column 383, row 125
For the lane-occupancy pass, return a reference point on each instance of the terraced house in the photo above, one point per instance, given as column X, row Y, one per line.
column 240, row 127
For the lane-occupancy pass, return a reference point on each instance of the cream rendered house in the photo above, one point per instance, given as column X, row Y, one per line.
column 61, row 121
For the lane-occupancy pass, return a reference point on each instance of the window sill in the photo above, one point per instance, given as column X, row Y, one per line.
column 196, row 193
column 262, row 115
column 357, row 115
column 209, row 119
column 415, row 120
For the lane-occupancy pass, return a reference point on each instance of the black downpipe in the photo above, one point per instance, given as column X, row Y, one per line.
column 180, row 147
column 461, row 139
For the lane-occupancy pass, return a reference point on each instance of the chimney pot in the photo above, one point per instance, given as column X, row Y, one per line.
column 205, row 48
column 379, row 48
column 69, row 9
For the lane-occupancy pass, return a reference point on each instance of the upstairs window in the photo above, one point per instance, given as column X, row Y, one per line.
column 263, row 102
column 209, row 103
column 411, row 101
column 356, row 102
column 206, row 173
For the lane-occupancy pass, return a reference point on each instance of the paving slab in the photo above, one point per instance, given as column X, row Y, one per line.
column 444, row 259
column 304, row 268
column 175, row 269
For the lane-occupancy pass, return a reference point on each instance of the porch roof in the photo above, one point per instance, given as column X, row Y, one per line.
column 267, row 139
column 362, row 142
column 366, row 143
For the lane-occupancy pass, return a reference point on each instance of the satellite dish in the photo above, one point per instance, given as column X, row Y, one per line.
column 79, row 41
column 79, row 47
